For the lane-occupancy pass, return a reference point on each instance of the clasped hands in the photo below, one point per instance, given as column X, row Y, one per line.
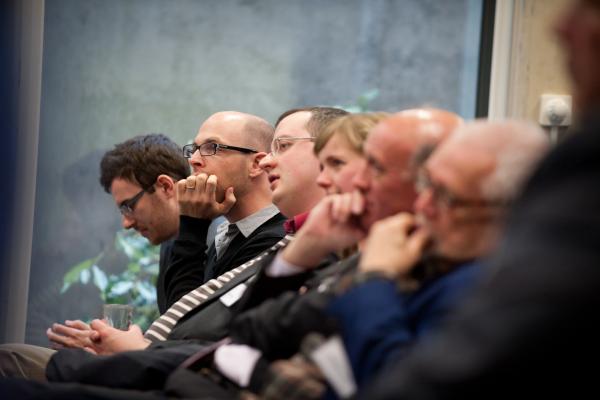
column 97, row 337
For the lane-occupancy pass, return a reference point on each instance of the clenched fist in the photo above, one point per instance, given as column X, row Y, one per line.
column 394, row 246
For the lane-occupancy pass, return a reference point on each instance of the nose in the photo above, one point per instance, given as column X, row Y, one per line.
column 323, row 180
column 424, row 204
column 362, row 179
column 127, row 222
column 197, row 161
column 268, row 162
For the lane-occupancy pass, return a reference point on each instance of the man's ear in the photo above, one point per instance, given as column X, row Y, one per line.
column 166, row 184
column 255, row 169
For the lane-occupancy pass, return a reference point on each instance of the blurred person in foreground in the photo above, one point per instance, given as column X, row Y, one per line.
column 530, row 329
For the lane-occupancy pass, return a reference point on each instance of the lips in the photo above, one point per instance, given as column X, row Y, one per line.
column 273, row 179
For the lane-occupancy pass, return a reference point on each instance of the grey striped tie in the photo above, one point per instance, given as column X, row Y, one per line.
column 162, row 327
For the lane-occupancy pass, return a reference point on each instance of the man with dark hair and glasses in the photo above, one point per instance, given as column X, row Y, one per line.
column 138, row 167
column 141, row 174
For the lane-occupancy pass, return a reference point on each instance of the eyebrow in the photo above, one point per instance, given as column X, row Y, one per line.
column 209, row 140
column 333, row 157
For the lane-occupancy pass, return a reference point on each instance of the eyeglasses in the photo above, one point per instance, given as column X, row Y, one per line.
column 211, row 148
column 282, row 144
column 444, row 198
column 127, row 206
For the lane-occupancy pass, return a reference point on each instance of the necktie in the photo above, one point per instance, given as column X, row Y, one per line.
column 224, row 237
column 162, row 327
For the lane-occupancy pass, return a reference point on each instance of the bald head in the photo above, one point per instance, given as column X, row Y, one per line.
column 251, row 131
column 387, row 183
column 470, row 178
column 501, row 153
column 419, row 126
column 244, row 139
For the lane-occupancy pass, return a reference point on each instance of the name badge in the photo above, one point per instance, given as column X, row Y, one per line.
column 232, row 297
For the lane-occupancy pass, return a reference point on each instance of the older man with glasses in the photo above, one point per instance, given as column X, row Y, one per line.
column 416, row 268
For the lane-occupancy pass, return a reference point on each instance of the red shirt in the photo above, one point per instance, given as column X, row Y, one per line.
column 292, row 225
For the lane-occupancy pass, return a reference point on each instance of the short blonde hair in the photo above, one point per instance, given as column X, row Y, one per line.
column 353, row 127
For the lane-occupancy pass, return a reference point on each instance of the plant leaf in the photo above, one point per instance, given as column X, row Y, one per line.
column 147, row 291
column 84, row 276
column 74, row 273
column 120, row 288
column 100, row 279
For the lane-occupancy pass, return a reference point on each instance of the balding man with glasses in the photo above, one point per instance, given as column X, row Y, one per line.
column 227, row 181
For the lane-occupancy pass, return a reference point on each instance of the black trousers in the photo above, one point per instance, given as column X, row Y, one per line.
column 139, row 370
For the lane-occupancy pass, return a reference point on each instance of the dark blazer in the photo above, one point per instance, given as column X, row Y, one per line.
column 531, row 330
column 163, row 264
column 192, row 262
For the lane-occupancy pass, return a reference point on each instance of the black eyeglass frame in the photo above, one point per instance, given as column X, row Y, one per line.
column 127, row 207
column 190, row 149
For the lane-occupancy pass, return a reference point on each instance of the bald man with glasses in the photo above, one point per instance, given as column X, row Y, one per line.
column 227, row 181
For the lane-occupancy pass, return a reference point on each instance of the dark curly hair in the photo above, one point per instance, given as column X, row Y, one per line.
column 142, row 159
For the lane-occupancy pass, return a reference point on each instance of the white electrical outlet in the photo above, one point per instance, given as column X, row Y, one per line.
column 555, row 110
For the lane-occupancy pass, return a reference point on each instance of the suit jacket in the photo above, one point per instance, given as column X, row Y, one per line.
column 531, row 327
column 191, row 257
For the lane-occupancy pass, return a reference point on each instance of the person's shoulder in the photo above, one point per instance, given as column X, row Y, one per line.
column 573, row 161
column 273, row 227
column 584, row 141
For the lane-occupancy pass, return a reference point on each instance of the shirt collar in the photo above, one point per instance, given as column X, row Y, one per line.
column 292, row 225
column 252, row 222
